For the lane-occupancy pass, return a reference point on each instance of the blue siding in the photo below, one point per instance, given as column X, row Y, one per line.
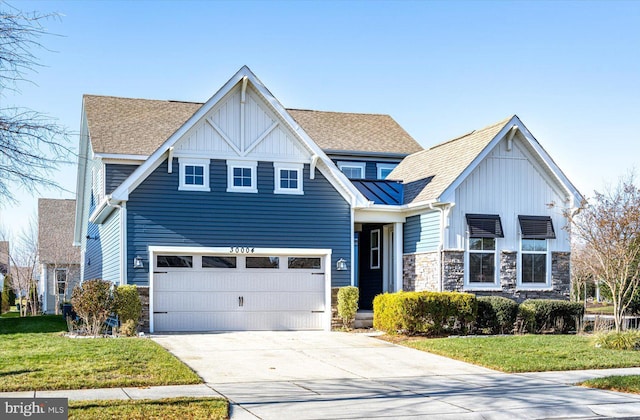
column 159, row 214
column 102, row 255
column 370, row 169
column 115, row 175
column 422, row 233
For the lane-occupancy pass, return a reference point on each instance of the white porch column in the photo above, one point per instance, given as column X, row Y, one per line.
column 398, row 250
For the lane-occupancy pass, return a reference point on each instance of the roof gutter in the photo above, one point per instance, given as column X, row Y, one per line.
column 104, row 209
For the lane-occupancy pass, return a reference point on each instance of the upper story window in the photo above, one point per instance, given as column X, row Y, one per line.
column 353, row 170
column 194, row 174
column 384, row 169
column 242, row 176
column 288, row 178
column 534, row 250
column 481, row 261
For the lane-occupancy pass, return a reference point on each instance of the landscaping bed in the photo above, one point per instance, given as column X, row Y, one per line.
column 169, row 408
column 36, row 356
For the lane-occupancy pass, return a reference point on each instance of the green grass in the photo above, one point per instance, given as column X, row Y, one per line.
column 528, row 353
column 170, row 408
column 629, row 383
column 600, row 310
column 35, row 356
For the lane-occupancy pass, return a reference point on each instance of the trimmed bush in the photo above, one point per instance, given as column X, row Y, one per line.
column 423, row 312
column 92, row 301
column 348, row 305
column 496, row 315
column 126, row 303
column 551, row 316
column 626, row 340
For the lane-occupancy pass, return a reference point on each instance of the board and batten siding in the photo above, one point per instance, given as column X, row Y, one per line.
column 422, row 233
column 509, row 183
column 116, row 174
column 102, row 255
column 158, row 214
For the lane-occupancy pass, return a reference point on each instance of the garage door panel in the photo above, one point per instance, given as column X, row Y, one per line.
column 234, row 321
column 206, row 299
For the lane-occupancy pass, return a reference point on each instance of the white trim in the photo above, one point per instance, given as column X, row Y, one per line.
column 123, row 244
column 183, row 163
column 495, row 284
column 322, row 252
column 253, row 165
column 398, row 242
column 547, row 285
column 122, row 158
column 45, row 287
column 374, row 248
column 353, row 250
column 279, row 166
column 384, row 166
column 358, row 165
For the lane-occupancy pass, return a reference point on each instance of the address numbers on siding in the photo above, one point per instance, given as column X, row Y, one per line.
column 241, row 250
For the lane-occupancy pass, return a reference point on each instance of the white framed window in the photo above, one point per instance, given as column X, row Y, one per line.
column 61, row 280
column 194, row 174
column 535, row 260
column 384, row 169
column 374, row 259
column 288, row 178
column 481, row 261
column 353, row 170
column 242, row 176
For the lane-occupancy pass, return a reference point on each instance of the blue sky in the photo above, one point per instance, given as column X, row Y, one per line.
column 569, row 70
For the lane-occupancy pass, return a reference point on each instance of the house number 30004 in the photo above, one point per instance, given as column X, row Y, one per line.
column 241, row 250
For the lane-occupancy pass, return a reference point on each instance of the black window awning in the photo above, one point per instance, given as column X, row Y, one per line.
column 484, row 226
column 536, row 227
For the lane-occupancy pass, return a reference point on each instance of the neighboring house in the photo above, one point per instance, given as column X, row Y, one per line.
column 241, row 214
column 59, row 259
column 5, row 262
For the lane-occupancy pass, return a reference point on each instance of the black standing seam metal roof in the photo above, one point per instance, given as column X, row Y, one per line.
column 380, row 191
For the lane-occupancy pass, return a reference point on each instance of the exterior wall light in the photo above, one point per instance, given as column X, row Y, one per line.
column 341, row 264
column 137, row 262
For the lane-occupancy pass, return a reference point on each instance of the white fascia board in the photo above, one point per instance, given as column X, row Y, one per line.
column 449, row 193
column 122, row 159
column 550, row 165
column 82, row 178
column 230, row 250
column 373, row 215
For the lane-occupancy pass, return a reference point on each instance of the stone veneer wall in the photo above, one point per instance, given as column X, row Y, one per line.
column 453, row 271
column 143, row 292
column 420, row 272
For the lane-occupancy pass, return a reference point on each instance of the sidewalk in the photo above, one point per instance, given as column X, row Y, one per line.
column 130, row 393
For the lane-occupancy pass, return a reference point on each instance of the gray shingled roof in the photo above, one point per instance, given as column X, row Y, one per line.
column 428, row 173
column 140, row 126
column 56, row 220
column 355, row 132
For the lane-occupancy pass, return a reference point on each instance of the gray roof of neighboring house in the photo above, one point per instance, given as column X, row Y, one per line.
column 56, row 220
column 427, row 174
column 139, row 126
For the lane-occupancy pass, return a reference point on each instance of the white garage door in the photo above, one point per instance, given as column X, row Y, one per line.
column 236, row 292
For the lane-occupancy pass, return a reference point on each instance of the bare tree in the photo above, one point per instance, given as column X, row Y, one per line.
column 609, row 227
column 581, row 274
column 32, row 144
column 23, row 258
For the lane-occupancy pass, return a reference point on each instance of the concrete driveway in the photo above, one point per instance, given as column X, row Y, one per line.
column 330, row 375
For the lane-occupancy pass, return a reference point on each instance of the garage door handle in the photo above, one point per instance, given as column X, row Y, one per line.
column 159, row 272
column 317, row 274
column 240, row 300
column 159, row 312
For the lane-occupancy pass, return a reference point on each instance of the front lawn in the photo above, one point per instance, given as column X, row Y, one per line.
column 168, row 408
column 527, row 353
column 629, row 383
column 35, row 356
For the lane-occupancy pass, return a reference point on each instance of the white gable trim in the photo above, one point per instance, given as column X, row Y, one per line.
column 448, row 195
column 335, row 177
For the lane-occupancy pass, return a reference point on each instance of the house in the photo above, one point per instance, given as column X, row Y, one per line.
column 241, row 214
column 59, row 260
column 5, row 261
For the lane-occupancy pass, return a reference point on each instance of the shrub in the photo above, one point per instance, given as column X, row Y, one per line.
column 348, row 305
column 626, row 340
column 496, row 314
column 5, row 305
column 126, row 303
column 93, row 302
column 423, row 312
column 129, row 328
column 555, row 316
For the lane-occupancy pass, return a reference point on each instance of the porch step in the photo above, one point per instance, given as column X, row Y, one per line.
column 364, row 319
